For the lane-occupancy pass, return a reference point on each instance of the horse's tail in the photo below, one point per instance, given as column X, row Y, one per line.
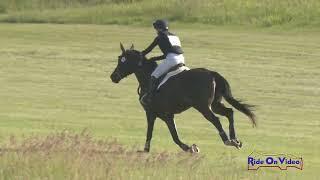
column 246, row 109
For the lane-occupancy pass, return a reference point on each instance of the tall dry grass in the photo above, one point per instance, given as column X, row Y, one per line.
column 79, row 156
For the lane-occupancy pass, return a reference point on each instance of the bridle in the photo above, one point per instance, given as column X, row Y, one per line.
column 118, row 73
column 140, row 65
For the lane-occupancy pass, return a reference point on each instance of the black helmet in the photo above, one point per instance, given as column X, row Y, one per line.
column 161, row 24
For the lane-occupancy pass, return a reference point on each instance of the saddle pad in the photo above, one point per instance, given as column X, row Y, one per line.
column 172, row 73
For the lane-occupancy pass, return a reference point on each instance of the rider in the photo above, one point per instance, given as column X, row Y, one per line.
column 170, row 46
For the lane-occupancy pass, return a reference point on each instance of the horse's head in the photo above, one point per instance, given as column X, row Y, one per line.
column 128, row 62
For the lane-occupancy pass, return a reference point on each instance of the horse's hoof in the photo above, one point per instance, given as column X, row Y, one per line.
column 194, row 149
column 237, row 143
column 144, row 151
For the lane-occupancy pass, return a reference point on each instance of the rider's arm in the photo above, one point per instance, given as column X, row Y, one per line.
column 151, row 46
column 157, row 58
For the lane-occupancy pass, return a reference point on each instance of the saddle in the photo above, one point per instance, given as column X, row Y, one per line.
column 175, row 67
column 172, row 72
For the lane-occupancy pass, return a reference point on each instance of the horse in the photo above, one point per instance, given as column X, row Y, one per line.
column 199, row 88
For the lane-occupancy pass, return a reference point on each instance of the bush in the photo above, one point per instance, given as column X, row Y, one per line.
column 2, row 9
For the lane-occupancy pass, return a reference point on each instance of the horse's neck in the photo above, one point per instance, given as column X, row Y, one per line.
column 143, row 76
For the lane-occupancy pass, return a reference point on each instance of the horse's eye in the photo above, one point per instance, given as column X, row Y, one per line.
column 123, row 59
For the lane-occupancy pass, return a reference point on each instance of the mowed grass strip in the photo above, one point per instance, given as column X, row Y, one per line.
column 56, row 77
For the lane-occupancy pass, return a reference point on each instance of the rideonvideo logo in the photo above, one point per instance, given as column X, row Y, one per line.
column 281, row 161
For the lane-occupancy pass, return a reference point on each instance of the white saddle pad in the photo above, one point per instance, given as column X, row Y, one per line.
column 172, row 73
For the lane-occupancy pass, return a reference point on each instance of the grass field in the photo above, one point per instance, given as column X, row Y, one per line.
column 56, row 77
column 261, row 13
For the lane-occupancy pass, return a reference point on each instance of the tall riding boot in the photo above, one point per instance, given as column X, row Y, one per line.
column 147, row 99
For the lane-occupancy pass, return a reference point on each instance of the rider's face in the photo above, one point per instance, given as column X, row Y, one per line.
column 157, row 31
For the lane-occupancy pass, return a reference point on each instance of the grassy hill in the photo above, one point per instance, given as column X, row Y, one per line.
column 56, row 77
column 62, row 118
column 261, row 13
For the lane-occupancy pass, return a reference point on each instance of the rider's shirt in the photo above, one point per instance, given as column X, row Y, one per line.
column 167, row 42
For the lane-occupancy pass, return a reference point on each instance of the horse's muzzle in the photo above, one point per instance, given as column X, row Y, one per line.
column 115, row 76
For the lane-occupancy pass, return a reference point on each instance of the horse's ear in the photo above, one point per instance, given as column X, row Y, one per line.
column 122, row 48
column 132, row 47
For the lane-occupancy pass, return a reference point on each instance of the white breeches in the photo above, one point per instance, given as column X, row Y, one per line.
column 171, row 60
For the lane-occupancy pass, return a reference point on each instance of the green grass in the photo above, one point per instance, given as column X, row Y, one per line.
column 56, row 77
column 261, row 13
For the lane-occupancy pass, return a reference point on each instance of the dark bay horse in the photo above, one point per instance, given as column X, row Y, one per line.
column 199, row 88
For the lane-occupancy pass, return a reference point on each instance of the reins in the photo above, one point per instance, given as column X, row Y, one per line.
column 142, row 73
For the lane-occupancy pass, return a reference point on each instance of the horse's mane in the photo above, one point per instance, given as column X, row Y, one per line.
column 151, row 64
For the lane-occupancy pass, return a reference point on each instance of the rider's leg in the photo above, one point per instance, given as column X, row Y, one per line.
column 161, row 69
column 151, row 90
column 170, row 61
column 175, row 59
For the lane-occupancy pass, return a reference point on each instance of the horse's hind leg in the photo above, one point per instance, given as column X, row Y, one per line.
column 219, row 108
column 208, row 114
column 169, row 120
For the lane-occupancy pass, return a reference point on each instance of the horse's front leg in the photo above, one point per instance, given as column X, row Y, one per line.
column 169, row 120
column 151, row 117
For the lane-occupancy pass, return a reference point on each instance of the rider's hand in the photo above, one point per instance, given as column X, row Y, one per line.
column 152, row 59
